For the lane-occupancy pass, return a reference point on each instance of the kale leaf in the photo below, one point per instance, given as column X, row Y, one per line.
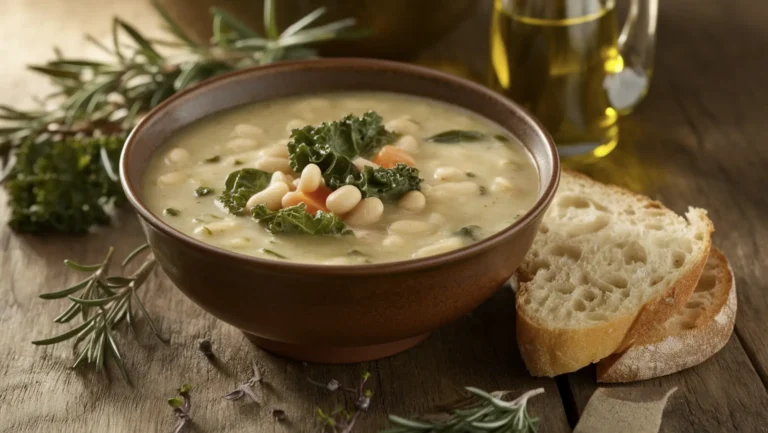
column 296, row 220
column 333, row 145
column 473, row 232
column 64, row 185
column 351, row 136
column 240, row 186
column 386, row 183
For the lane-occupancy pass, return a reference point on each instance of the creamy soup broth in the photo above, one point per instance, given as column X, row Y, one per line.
column 486, row 184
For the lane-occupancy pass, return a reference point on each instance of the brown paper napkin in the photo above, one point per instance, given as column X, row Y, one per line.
column 624, row 410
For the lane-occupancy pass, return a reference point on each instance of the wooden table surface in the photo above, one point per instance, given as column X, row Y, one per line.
column 698, row 139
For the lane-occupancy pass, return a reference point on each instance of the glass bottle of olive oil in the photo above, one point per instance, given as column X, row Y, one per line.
column 565, row 62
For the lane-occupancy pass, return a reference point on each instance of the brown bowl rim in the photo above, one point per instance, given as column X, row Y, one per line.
column 361, row 64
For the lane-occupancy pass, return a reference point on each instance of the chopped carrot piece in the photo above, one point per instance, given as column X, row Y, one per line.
column 390, row 156
column 314, row 201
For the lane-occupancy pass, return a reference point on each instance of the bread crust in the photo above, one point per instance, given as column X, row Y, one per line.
column 672, row 353
column 550, row 351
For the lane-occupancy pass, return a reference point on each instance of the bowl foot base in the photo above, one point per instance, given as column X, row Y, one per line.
column 335, row 355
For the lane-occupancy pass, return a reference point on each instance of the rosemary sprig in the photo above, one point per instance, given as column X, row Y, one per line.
column 102, row 301
column 104, row 98
column 481, row 412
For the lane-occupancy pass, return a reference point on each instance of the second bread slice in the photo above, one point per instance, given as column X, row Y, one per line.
column 608, row 267
column 695, row 333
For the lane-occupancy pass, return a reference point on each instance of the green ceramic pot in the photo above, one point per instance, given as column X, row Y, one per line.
column 401, row 28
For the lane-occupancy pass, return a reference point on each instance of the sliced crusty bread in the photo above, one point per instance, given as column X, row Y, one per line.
column 608, row 267
column 691, row 336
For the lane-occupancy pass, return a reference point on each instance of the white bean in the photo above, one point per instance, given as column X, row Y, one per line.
column 310, row 178
column 246, row 130
column 436, row 218
column 502, row 184
column 177, row 156
column 343, row 199
column 239, row 242
column 408, row 143
column 242, row 144
column 412, row 227
column 295, row 124
column 454, row 189
column 271, row 164
column 442, row 246
column 393, row 241
column 277, row 150
column 413, row 201
column 361, row 163
column 403, row 125
column 280, row 177
column 295, row 183
column 272, row 196
column 171, row 178
column 449, row 174
column 215, row 227
column 366, row 212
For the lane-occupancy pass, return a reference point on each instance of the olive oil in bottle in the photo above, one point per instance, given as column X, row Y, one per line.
column 557, row 58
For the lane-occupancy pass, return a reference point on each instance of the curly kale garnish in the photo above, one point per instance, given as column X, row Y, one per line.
column 333, row 145
column 296, row 220
column 386, row 183
column 64, row 185
column 240, row 186
column 349, row 137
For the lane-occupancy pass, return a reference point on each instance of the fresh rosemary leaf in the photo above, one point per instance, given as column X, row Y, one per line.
column 65, row 336
column 270, row 20
column 147, row 49
column 211, row 160
column 173, row 26
column 457, row 136
column 169, row 211
column 66, row 292
column 82, row 268
column 132, row 255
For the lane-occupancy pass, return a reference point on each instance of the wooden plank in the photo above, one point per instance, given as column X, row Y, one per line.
column 724, row 394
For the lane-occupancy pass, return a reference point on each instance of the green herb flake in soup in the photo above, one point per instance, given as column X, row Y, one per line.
column 342, row 178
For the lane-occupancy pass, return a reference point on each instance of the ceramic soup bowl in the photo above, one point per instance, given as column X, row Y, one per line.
column 324, row 313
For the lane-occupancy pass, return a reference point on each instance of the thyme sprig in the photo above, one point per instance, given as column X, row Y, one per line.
column 342, row 420
column 252, row 388
column 480, row 412
column 96, row 98
column 102, row 301
column 181, row 405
